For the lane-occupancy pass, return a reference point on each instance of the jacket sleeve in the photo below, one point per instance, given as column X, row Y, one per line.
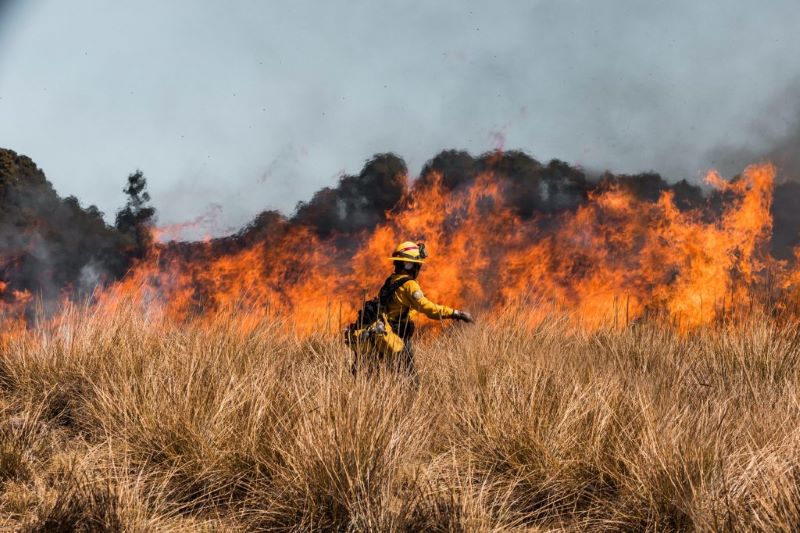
column 411, row 296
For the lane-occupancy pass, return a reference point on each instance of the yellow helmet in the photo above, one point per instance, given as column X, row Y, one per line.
column 410, row 252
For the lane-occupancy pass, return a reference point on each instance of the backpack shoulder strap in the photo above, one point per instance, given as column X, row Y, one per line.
column 389, row 288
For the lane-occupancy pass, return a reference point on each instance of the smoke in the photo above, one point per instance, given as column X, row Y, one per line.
column 358, row 202
column 775, row 136
column 776, row 139
column 624, row 85
column 51, row 246
column 8, row 10
column 48, row 244
column 533, row 188
column 5, row 8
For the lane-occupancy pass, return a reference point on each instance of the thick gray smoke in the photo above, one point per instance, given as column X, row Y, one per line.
column 282, row 96
column 775, row 138
column 51, row 246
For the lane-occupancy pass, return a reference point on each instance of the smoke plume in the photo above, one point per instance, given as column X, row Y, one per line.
column 52, row 247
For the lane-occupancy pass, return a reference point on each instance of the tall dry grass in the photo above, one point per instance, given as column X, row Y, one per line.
column 129, row 423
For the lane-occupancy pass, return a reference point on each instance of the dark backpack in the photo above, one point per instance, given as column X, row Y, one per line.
column 371, row 309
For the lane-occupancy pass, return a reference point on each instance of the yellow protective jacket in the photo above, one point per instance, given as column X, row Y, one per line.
column 410, row 299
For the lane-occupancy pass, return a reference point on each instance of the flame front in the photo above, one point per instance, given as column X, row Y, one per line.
column 613, row 260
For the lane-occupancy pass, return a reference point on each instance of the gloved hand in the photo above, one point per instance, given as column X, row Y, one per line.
column 463, row 316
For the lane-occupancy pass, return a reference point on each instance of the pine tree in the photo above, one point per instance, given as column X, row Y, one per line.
column 137, row 217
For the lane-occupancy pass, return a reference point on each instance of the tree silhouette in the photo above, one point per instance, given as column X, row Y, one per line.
column 137, row 217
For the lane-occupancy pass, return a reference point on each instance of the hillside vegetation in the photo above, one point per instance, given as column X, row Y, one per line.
column 132, row 423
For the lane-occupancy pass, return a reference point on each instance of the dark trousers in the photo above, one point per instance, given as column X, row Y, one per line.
column 405, row 362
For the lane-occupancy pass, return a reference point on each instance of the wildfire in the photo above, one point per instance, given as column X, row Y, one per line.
column 613, row 260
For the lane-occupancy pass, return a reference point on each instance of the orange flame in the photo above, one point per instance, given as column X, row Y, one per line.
column 613, row 260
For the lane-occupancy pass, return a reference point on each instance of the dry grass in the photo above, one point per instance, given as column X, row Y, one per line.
column 124, row 424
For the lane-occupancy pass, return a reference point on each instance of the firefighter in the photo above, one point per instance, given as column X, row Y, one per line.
column 408, row 300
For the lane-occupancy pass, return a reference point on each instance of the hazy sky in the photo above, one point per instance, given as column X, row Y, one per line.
column 234, row 107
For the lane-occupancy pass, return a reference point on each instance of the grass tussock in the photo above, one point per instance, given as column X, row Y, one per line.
column 129, row 423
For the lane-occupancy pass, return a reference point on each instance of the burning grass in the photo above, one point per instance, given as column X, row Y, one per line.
column 128, row 422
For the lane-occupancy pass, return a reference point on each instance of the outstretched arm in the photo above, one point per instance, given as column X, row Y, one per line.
column 412, row 296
